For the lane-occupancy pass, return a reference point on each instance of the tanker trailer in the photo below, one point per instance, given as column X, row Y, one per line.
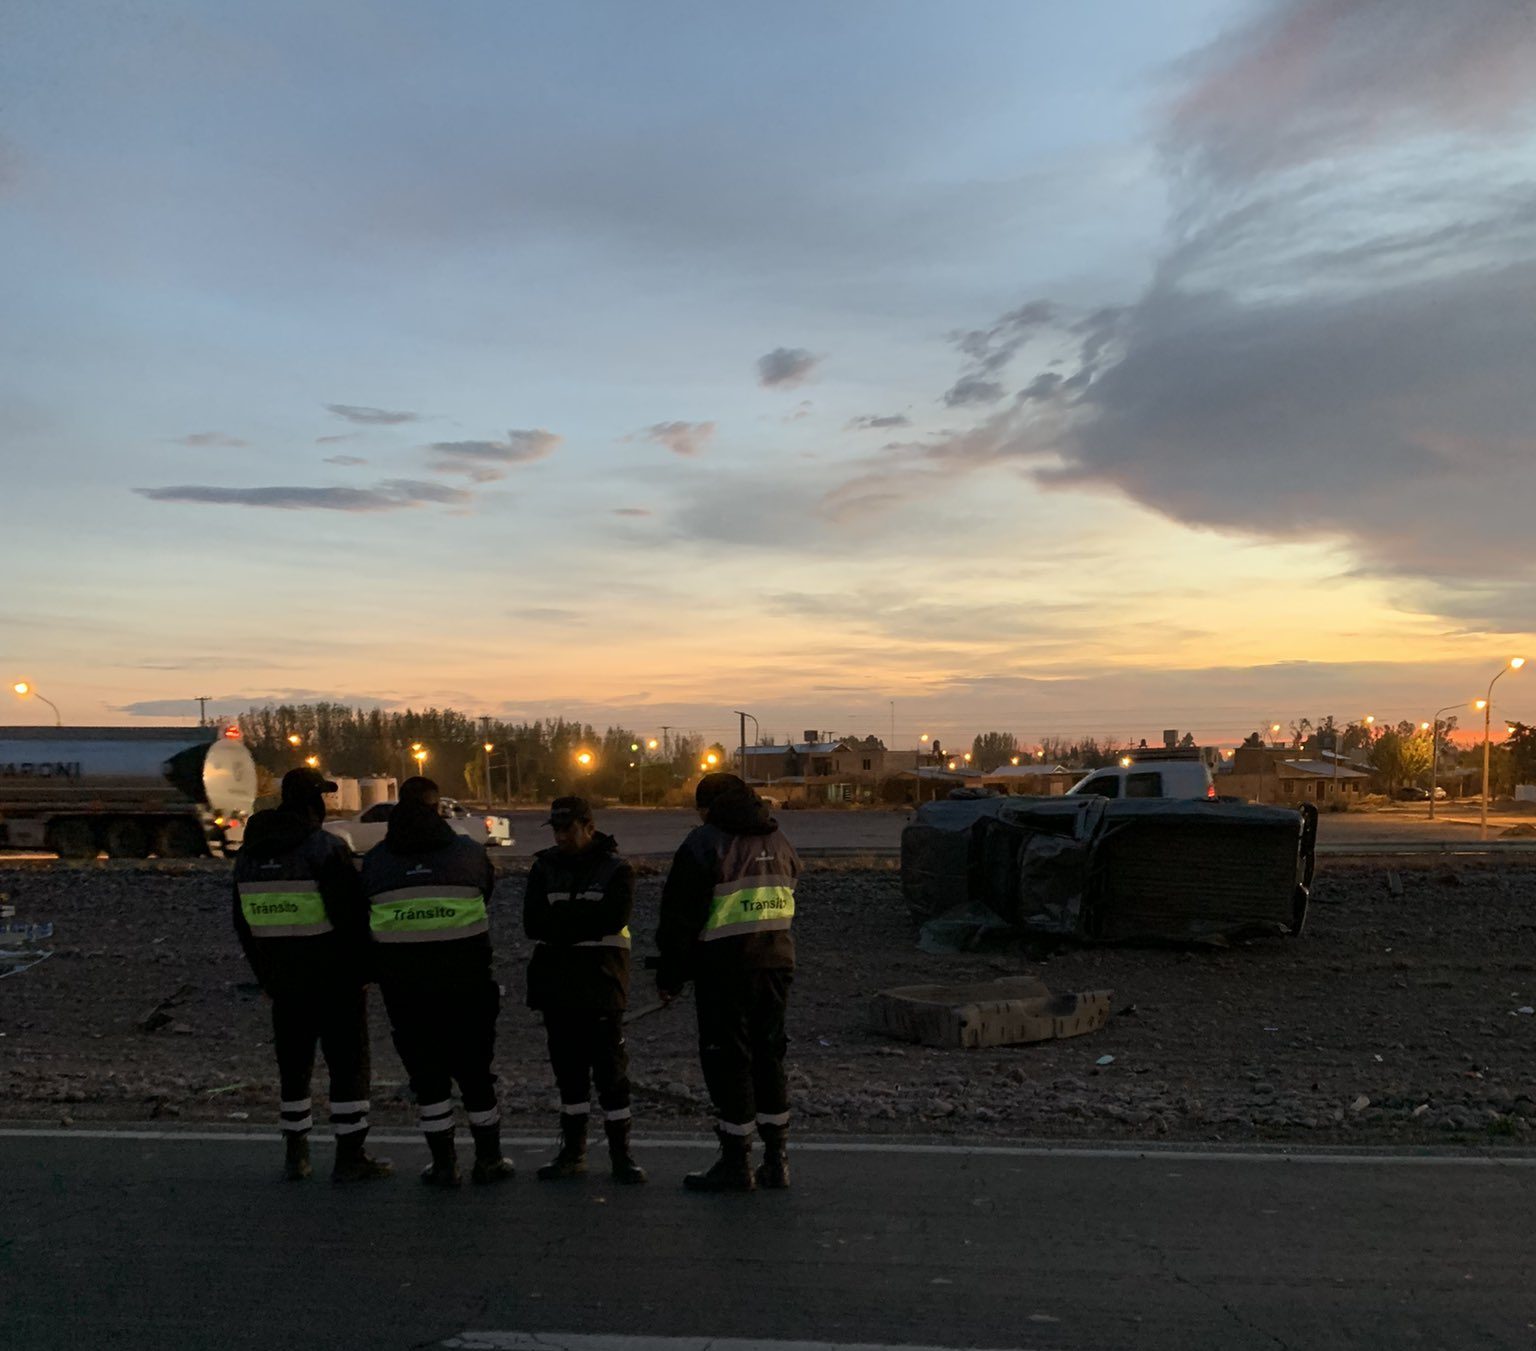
column 177, row 792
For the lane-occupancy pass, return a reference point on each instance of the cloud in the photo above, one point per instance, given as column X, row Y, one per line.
column 1312, row 79
column 546, row 614
column 337, row 440
column 874, row 420
column 345, row 459
column 631, row 511
column 390, row 495
column 681, row 438
column 232, row 705
column 1333, row 342
column 204, row 439
column 972, row 389
column 372, row 417
column 487, row 461
column 786, row 367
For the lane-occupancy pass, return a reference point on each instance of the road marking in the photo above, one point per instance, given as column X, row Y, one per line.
column 562, row 1341
column 1131, row 1153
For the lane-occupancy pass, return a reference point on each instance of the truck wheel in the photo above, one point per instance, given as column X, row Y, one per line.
column 72, row 838
column 179, row 839
column 126, row 838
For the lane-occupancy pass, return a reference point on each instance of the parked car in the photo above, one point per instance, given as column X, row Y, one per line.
column 365, row 829
column 1149, row 777
column 1410, row 793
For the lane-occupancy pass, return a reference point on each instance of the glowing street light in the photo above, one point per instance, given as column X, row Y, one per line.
column 294, row 739
column 313, row 761
column 1513, row 664
column 419, row 755
column 23, row 690
column 711, row 760
column 652, row 744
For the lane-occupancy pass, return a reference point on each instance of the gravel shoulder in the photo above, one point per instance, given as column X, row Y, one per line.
column 1394, row 1020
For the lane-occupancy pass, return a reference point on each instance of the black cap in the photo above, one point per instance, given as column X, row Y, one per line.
column 714, row 786
column 302, row 785
column 566, row 811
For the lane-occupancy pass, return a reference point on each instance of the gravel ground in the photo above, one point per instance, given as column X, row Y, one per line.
column 1395, row 1019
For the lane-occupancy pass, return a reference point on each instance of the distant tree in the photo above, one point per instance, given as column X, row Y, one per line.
column 1253, row 741
column 1187, row 741
column 1301, row 729
column 1521, row 747
column 991, row 749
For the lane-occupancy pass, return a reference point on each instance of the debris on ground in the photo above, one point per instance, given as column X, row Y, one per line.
column 1010, row 1012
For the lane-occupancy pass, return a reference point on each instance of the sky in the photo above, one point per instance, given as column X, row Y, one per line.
column 875, row 366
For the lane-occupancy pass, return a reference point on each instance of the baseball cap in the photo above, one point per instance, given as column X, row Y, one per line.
column 300, row 784
column 565, row 811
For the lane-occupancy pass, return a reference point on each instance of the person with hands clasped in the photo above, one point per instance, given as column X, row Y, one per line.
column 576, row 909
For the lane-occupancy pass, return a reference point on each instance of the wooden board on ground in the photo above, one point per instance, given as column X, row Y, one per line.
column 1008, row 1012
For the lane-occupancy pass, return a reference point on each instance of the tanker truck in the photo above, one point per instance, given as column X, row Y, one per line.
column 128, row 792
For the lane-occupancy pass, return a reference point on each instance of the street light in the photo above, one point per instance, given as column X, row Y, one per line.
column 294, row 738
column 313, row 761
column 487, row 747
column 1513, row 664
column 23, row 690
column 419, row 755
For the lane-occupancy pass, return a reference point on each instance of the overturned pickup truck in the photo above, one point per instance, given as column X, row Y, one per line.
column 1113, row 870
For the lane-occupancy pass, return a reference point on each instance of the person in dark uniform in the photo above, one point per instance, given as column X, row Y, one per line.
column 576, row 910
column 300, row 916
column 726, row 910
column 427, row 889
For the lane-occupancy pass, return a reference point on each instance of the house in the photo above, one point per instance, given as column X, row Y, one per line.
column 817, row 769
column 1031, row 779
column 1283, row 774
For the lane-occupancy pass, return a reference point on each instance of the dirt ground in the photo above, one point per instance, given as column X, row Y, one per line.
column 1396, row 1018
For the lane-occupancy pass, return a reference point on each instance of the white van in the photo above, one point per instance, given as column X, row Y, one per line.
column 1148, row 778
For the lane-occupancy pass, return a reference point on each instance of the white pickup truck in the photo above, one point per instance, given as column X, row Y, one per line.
column 364, row 830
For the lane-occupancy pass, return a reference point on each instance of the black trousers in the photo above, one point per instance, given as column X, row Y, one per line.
column 337, row 1018
column 742, row 1045
column 447, row 1034
column 587, row 1045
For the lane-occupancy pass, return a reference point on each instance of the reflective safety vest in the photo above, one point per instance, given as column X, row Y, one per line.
column 430, row 914
column 283, row 909
column 618, row 940
column 752, row 904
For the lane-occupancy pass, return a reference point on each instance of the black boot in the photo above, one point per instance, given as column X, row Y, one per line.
column 296, row 1161
column 732, row 1171
column 625, row 1169
column 490, row 1164
column 356, row 1164
column 571, row 1161
column 443, row 1171
column 773, row 1172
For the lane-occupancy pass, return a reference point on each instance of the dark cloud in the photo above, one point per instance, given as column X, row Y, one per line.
column 786, row 367
column 390, row 495
column 874, row 420
column 681, row 438
column 631, row 511
column 486, row 461
column 208, row 439
column 1333, row 344
column 345, row 459
column 337, row 440
column 372, row 417
column 1312, row 79
column 972, row 389
column 232, row 705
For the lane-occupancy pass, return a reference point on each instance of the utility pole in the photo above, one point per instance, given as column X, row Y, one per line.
column 741, row 761
column 665, row 753
column 203, row 700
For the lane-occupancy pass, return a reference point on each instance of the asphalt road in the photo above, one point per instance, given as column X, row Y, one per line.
column 186, row 1242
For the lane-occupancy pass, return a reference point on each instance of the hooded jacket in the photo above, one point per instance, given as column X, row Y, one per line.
column 294, row 944
column 576, row 910
column 728, row 901
column 424, row 881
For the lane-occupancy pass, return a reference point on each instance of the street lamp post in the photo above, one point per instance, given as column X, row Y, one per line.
column 1513, row 664
column 757, row 734
column 1434, row 755
column 487, row 747
column 23, row 690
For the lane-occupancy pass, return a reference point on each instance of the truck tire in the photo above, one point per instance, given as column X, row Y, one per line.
column 72, row 837
column 179, row 838
column 126, row 838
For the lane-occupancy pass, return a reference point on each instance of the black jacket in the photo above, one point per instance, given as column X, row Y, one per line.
column 577, row 910
column 283, row 846
column 740, row 840
column 420, row 849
